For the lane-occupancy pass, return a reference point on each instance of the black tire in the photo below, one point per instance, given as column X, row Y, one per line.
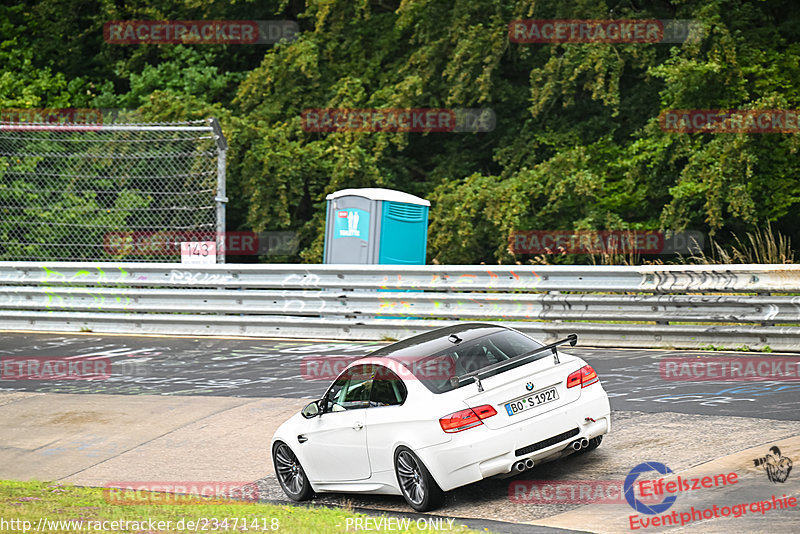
column 290, row 473
column 419, row 489
column 593, row 444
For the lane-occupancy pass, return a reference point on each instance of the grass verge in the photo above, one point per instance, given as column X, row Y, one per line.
column 48, row 507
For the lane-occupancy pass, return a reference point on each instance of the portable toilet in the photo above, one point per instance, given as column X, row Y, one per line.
column 376, row 226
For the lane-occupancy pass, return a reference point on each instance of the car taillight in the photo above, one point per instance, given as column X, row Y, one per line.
column 574, row 379
column 585, row 376
column 465, row 419
column 485, row 411
column 588, row 376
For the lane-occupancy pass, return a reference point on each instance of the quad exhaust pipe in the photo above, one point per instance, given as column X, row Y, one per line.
column 522, row 465
column 579, row 444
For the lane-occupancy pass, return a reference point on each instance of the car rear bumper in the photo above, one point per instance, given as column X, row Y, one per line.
column 481, row 452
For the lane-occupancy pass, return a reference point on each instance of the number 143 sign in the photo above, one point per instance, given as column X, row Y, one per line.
column 198, row 252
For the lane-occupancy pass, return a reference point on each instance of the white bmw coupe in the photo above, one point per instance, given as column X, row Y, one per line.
column 441, row 410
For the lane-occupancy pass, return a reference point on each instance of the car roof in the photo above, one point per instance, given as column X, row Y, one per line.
column 430, row 343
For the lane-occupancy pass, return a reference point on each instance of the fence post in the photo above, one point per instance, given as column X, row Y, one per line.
column 221, row 198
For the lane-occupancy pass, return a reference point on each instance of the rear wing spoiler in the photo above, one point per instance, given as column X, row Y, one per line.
column 475, row 376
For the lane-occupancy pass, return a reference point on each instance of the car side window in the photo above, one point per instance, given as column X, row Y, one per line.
column 351, row 390
column 387, row 388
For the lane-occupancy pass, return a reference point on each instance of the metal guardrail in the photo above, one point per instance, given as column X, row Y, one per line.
column 727, row 305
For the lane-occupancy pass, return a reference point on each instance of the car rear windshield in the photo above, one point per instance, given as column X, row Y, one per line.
column 436, row 371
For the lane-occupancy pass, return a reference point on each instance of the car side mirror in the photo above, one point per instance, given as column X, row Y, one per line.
column 311, row 410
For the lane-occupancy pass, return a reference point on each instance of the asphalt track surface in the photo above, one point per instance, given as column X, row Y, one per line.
column 270, row 368
column 685, row 424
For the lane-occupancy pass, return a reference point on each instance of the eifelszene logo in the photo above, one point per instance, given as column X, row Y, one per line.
column 630, row 482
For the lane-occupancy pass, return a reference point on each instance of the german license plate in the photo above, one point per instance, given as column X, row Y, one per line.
column 531, row 401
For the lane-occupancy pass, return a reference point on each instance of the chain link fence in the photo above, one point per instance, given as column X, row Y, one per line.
column 110, row 192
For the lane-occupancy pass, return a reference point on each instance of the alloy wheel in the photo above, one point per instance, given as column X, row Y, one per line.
column 288, row 469
column 411, row 477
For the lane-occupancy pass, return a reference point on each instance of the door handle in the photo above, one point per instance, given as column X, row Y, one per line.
column 358, row 426
column 301, row 438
